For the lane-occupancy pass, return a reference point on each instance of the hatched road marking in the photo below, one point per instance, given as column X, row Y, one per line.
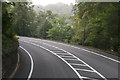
column 83, row 50
column 69, row 64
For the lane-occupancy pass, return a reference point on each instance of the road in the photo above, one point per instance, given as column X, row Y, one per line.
column 49, row 59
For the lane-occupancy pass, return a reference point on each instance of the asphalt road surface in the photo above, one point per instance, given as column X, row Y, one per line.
column 49, row 59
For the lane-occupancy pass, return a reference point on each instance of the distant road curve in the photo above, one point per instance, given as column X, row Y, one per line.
column 49, row 59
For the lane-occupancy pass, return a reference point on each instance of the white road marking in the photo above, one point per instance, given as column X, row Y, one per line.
column 61, row 53
column 79, row 60
column 57, row 56
column 84, row 70
column 31, row 70
column 70, row 59
column 66, row 56
column 77, row 64
column 85, row 50
column 88, row 78
column 66, row 61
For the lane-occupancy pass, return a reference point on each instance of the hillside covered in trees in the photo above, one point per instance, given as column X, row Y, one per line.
column 92, row 24
column 96, row 24
column 58, row 8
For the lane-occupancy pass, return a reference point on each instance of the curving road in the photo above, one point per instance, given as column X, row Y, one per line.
column 48, row 59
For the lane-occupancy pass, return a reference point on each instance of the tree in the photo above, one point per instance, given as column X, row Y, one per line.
column 24, row 16
column 7, row 16
column 9, row 41
column 43, row 24
column 60, row 30
column 94, row 25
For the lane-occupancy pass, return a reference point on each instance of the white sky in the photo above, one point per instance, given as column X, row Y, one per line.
column 46, row 2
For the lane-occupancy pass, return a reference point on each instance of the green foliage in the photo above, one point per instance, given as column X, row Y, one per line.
column 7, row 20
column 93, row 24
column 9, row 42
column 24, row 16
column 60, row 30
column 96, row 24
column 43, row 24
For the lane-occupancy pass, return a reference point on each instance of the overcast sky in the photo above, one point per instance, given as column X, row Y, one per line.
column 46, row 2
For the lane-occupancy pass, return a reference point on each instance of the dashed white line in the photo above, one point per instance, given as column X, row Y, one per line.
column 31, row 70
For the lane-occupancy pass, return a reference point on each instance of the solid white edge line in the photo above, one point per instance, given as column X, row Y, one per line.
column 85, row 64
column 57, row 56
column 79, row 60
column 86, row 51
column 100, row 55
column 31, row 70
column 66, row 61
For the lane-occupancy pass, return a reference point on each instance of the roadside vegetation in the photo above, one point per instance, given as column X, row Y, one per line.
column 9, row 42
column 90, row 24
column 96, row 24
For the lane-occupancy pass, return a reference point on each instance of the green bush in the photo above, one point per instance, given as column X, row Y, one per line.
column 9, row 55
